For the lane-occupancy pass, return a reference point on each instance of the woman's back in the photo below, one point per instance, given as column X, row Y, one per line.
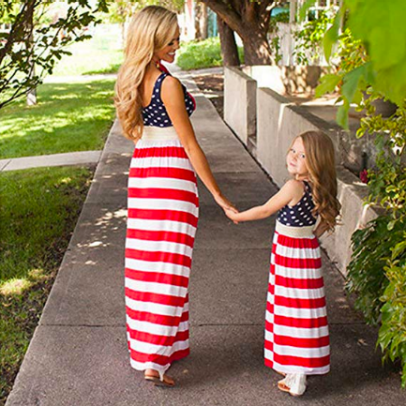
column 153, row 111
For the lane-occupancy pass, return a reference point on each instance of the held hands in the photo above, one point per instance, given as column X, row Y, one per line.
column 225, row 204
column 232, row 215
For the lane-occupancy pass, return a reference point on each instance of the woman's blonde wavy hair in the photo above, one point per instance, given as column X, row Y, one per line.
column 150, row 30
column 320, row 160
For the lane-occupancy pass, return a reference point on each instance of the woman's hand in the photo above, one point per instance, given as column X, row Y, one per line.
column 232, row 215
column 224, row 203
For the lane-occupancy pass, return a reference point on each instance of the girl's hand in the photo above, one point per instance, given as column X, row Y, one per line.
column 224, row 203
column 232, row 216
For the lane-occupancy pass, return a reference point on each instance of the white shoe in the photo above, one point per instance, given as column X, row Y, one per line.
column 297, row 384
column 285, row 383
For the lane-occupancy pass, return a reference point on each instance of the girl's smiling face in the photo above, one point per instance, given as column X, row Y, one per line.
column 168, row 53
column 296, row 160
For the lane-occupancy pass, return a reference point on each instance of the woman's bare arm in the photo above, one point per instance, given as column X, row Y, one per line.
column 173, row 97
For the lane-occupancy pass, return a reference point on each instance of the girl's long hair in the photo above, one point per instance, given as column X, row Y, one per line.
column 320, row 159
column 150, row 30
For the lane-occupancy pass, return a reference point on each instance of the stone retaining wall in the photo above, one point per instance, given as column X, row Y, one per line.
column 240, row 104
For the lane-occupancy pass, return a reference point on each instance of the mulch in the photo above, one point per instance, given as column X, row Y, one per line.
column 213, row 88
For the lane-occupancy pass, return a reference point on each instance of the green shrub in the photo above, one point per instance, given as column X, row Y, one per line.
column 309, row 39
column 377, row 272
column 377, row 275
column 202, row 54
column 366, row 277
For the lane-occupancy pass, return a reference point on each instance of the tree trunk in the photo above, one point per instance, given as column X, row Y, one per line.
column 32, row 92
column 204, row 26
column 123, row 18
column 198, row 15
column 250, row 20
column 122, row 25
column 229, row 50
column 257, row 50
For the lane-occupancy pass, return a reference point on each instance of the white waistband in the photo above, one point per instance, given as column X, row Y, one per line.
column 299, row 232
column 152, row 133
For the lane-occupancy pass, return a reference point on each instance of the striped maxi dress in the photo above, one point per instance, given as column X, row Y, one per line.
column 296, row 328
column 163, row 209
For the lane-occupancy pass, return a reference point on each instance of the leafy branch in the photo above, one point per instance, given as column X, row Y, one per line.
column 31, row 43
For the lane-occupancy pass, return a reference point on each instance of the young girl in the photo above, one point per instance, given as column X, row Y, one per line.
column 296, row 330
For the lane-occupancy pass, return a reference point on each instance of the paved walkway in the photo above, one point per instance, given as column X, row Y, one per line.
column 69, row 158
column 78, row 355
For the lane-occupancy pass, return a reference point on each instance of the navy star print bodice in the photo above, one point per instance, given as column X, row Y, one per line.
column 155, row 113
column 299, row 215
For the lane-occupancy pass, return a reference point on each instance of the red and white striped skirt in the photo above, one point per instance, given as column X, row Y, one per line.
column 296, row 329
column 163, row 210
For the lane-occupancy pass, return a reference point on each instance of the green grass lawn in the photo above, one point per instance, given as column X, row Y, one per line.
column 202, row 54
column 100, row 54
column 38, row 212
column 68, row 117
column 89, row 62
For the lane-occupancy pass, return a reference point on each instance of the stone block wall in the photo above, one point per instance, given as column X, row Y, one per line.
column 240, row 103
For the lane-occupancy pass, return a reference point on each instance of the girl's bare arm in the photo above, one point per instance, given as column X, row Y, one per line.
column 288, row 192
column 321, row 228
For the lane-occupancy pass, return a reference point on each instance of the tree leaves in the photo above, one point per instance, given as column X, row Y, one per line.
column 328, row 83
column 381, row 27
column 331, row 36
column 21, row 51
column 305, row 8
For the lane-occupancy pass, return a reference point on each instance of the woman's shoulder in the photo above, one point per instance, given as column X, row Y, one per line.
column 171, row 83
column 171, row 88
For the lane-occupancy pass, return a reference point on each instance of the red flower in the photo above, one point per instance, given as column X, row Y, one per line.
column 363, row 175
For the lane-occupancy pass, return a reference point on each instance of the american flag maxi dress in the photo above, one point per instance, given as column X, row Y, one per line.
column 296, row 329
column 163, row 209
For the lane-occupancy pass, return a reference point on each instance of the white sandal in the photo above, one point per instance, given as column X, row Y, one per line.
column 295, row 384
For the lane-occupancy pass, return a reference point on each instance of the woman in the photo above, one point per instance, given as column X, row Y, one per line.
column 154, row 110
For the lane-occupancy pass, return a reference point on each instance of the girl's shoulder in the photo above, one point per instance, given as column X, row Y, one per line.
column 294, row 190
column 295, row 186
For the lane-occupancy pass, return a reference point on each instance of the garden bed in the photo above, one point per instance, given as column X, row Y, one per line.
column 212, row 86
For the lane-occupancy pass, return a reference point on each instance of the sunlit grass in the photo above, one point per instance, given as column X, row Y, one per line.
column 202, row 54
column 14, row 287
column 68, row 117
column 100, row 54
column 38, row 212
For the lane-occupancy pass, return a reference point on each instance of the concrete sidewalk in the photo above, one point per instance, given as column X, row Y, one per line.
column 68, row 158
column 78, row 355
